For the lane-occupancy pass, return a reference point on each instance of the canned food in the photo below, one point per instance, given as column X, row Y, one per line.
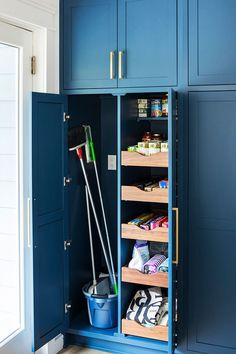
column 156, row 108
column 165, row 105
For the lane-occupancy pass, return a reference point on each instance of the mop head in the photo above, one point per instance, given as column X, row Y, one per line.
column 76, row 138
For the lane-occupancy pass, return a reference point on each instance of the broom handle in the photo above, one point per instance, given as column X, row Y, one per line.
column 90, row 237
column 106, row 228
column 79, row 153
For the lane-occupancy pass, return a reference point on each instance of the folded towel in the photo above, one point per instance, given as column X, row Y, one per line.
column 151, row 266
column 144, row 306
column 162, row 315
column 164, row 266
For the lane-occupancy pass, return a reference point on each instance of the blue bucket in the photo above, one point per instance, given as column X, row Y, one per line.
column 102, row 309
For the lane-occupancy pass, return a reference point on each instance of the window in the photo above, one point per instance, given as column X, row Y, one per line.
column 10, row 194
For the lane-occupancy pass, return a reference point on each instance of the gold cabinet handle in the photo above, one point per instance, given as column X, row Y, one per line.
column 177, row 236
column 120, row 69
column 112, row 55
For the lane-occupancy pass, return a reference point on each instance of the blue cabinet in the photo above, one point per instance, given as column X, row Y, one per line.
column 212, row 226
column 212, row 48
column 125, row 43
column 59, row 215
column 147, row 35
column 49, row 216
column 89, row 43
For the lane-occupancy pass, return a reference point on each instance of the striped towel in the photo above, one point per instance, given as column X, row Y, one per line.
column 151, row 266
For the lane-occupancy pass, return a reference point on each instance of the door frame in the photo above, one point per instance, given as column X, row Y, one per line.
column 39, row 42
column 39, row 83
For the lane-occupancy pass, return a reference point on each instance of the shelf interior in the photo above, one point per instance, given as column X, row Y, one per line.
column 134, row 328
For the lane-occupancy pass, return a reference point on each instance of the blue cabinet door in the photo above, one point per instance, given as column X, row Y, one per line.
column 212, row 48
column 147, row 37
column 173, row 219
column 88, row 36
column 212, row 223
column 49, row 162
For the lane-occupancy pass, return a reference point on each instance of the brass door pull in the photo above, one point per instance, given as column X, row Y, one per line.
column 120, row 68
column 112, row 55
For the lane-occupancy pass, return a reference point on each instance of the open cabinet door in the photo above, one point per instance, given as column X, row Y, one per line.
column 49, row 167
column 173, row 220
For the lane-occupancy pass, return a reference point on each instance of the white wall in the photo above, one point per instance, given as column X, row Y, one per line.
column 44, row 16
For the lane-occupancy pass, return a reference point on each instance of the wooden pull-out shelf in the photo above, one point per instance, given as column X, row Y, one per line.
column 135, row 329
column 130, row 275
column 132, row 193
column 133, row 232
column 159, row 159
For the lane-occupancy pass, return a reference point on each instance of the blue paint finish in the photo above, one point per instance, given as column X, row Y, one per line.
column 49, row 216
column 89, row 34
column 147, row 33
column 212, row 226
column 212, row 50
column 130, row 345
column 172, row 226
column 119, row 208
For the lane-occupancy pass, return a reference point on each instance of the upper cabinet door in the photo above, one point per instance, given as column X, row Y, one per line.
column 147, row 43
column 212, row 48
column 89, row 42
column 49, row 165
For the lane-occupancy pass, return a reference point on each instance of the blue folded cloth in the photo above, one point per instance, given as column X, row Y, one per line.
column 164, row 266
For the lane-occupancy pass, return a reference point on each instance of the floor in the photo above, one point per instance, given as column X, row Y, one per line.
column 77, row 350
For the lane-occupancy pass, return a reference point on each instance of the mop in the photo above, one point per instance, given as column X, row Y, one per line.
column 78, row 135
column 94, row 287
column 92, row 158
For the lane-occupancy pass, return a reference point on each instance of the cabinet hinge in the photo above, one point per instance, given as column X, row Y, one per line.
column 67, row 180
column 67, row 244
column 33, row 65
column 175, row 340
column 67, row 307
column 66, row 117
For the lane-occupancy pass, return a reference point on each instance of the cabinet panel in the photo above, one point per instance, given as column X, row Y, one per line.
column 212, row 50
column 49, row 216
column 89, row 35
column 147, row 36
column 212, row 223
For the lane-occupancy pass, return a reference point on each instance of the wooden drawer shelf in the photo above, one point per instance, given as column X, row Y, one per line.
column 135, row 329
column 130, row 275
column 135, row 159
column 133, row 232
column 132, row 193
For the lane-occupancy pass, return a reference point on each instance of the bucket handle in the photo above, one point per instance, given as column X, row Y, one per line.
column 100, row 296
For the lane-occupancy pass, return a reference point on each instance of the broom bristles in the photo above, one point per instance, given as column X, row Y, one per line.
column 76, row 138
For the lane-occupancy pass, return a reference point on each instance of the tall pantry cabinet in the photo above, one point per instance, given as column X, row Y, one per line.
column 112, row 53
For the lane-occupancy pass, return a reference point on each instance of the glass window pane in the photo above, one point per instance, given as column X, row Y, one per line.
column 10, row 272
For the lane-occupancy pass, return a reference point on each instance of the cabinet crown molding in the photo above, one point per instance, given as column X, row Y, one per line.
column 42, row 5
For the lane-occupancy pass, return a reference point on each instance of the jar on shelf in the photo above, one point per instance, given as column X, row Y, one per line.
column 156, row 108
column 147, row 136
column 165, row 105
column 157, row 139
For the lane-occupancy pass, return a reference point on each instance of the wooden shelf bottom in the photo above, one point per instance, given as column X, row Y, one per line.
column 134, row 329
column 130, row 275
